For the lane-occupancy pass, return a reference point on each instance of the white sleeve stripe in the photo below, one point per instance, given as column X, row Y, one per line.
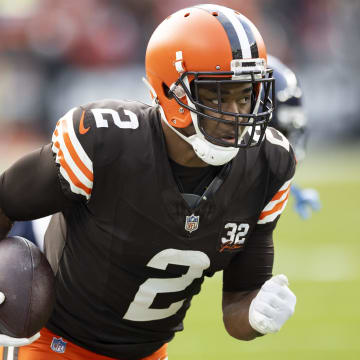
column 286, row 184
column 271, row 210
column 273, row 203
column 271, row 217
column 74, row 188
column 239, row 29
column 69, row 160
column 68, row 117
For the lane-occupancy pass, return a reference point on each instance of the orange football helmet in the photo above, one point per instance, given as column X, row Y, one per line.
column 216, row 45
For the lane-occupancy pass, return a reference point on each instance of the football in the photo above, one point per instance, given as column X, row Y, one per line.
column 27, row 281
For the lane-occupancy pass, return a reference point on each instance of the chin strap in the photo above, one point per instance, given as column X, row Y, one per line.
column 210, row 153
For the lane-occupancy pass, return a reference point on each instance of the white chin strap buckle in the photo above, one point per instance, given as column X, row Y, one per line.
column 210, row 153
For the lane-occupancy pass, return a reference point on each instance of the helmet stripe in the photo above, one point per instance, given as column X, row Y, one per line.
column 234, row 29
column 250, row 36
column 232, row 36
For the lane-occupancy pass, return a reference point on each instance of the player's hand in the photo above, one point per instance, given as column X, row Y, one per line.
column 272, row 306
column 306, row 201
column 10, row 341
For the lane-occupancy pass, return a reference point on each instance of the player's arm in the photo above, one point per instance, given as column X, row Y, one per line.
column 31, row 189
column 44, row 182
column 242, row 280
column 254, row 302
column 51, row 179
column 236, row 314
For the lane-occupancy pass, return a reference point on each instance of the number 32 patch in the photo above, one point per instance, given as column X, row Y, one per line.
column 233, row 236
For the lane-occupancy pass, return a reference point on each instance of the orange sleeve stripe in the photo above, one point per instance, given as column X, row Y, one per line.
column 71, row 175
column 74, row 154
column 279, row 194
column 56, row 132
column 277, row 207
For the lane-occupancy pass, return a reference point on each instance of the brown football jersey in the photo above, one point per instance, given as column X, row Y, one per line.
column 130, row 253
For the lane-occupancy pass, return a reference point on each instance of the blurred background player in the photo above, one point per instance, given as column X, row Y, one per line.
column 290, row 119
column 32, row 230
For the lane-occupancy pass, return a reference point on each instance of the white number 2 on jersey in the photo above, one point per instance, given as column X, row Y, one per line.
column 139, row 309
column 277, row 138
column 101, row 122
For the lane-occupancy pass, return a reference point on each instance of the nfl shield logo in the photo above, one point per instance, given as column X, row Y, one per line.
column 192, row 223
column 58, row 345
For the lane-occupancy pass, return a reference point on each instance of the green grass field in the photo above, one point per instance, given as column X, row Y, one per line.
column 321, row 258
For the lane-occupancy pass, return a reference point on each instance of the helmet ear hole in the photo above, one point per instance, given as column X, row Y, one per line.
column 167, row 91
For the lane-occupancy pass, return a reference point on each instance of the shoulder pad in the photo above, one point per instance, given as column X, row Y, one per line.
column 279, row 154
column 72, row 154
column 94, row 135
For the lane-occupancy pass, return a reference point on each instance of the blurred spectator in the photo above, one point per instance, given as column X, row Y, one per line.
column 54, row 54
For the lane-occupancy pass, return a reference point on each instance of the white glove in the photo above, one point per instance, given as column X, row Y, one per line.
column 10, row 341
column 272, row 306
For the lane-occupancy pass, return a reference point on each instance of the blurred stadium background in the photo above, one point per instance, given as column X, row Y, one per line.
column 58, row 54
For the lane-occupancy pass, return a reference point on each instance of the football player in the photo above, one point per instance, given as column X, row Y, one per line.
column 290, row 119
column 148, row 200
